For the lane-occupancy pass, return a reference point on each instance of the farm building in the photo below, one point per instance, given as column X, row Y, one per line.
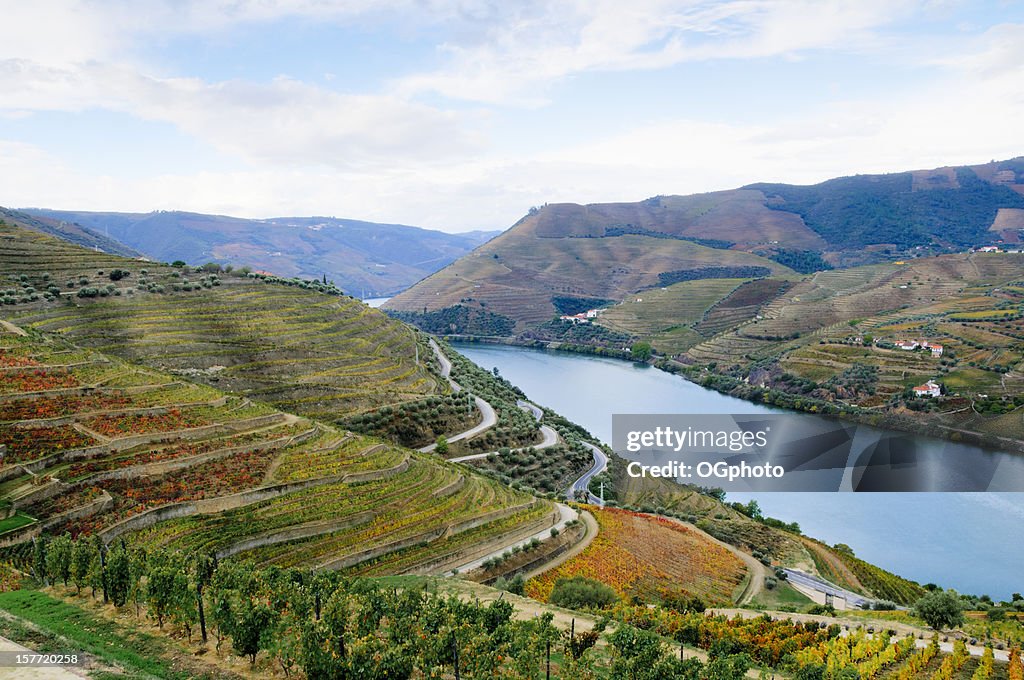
column 929, row 389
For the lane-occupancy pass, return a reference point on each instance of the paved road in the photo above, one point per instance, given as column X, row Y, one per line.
column 38, row 672
column 581, row 484
column 532, row 408
column 550, row 439
column 823, row 586
column 490, row 418
column 446, row 366
column 566, row 515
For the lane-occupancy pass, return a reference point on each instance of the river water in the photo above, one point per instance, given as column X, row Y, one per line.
column 970, row 541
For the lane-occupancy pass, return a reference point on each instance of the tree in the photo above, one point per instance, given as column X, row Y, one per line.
column 204, row 568
column 58, row 559
column 139, row 568
column 119, row 576
column 253, row 624
column 940, row 609
column 95, row 577
column 39, row 559
column 442, row 445
column 641, row 351
column 81, row 558
column 579, row 591
column 165, row 587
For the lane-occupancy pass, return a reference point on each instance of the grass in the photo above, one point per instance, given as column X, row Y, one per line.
column 971, row 378
column 984, row 314
column 782, row 597
column 67, row 628
column 15, row 521
column 648, row 557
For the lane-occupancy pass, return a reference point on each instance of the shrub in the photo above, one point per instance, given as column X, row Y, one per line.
column 581, row 592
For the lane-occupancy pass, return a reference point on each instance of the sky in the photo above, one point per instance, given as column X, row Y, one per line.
column 462, row 114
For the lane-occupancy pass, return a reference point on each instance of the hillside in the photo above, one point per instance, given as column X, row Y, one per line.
column 364, row 259
column 70, row 232
column 299, row 345
column 612, row 251
column 523, row 273
column 103, row 447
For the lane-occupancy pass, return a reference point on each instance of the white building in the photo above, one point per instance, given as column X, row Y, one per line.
column 929, row 389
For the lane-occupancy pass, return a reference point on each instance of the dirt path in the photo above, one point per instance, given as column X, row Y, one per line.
column 566, row 515
column 588, row 538
column 11, row 328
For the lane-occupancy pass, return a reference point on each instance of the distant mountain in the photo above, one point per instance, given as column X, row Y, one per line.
column 611, row 251
column 73, row 233
column 949, row 208
column 365, row 259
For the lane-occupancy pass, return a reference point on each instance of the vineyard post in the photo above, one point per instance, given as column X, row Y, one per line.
column 455, row 654
column 103, row 570
column 548, row 675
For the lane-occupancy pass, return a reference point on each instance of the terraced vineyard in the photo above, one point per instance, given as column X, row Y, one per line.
column 283, row 342
column 96, row 445
column 650, row 558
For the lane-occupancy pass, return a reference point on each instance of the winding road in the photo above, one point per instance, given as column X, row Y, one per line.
column 583, row 483
column 566, row 514
column 490, row 418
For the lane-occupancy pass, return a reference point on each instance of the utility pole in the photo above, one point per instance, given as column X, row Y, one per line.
column 602, row 493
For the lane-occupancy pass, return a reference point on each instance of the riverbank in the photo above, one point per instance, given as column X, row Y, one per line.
column 734, row 387
column 942, row 537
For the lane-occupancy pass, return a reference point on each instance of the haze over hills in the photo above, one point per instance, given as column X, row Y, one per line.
column 606, row 252
column 366, row 259
column 72, row 233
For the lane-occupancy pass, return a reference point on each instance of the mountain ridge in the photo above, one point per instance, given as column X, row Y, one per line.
column 368, row 259
column 615, row 250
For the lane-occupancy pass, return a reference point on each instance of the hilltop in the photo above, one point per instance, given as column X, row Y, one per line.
column 366, row 259
column 72, row 233
column 601, row 254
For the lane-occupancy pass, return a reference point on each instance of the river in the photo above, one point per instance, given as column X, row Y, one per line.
column 973, row 542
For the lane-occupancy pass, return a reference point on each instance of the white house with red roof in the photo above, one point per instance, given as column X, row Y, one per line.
column 929, row 389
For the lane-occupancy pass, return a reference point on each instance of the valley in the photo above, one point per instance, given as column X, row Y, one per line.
column 279, row 427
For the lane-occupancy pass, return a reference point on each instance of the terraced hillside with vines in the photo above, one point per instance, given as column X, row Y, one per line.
column 94, row 445
column 302, row 346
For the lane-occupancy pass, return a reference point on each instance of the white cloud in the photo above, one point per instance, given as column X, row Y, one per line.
column 284, row 121
column 526, row 50
column 311, row 150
